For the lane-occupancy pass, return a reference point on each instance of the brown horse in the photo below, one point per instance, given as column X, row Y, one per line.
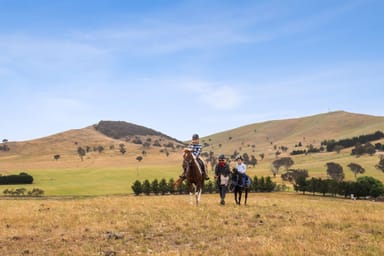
column 194, row 176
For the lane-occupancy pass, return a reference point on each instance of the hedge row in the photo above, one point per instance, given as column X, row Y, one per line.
column 22, row 178
column 167, row 187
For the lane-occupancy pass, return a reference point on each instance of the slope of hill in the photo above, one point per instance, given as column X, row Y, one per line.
column 267, row 136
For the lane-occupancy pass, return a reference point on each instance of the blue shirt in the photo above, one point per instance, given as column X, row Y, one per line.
column 195, row 149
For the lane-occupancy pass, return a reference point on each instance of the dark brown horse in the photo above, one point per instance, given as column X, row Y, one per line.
column 194, row 176
column 238, row 185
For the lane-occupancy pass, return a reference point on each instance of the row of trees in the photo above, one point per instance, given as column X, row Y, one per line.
column 334, row 170
column 351, row 142
column 163, row 186
column 363, row 187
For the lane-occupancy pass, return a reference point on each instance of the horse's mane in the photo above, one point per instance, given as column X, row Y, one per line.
column 188, row 153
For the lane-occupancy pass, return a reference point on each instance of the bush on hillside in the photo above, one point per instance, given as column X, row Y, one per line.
column 13, row 179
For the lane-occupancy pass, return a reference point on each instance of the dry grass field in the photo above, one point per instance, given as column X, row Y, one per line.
column 88, row 207
column 271, row 224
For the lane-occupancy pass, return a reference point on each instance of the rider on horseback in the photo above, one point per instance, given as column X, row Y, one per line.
column 195, row 147
column 241, row 168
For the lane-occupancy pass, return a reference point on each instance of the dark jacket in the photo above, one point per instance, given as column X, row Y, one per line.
column 222, row 170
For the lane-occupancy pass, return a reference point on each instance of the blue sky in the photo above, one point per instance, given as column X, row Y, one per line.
column 184, row 67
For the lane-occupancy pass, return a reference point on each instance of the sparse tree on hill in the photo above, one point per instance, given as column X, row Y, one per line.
column 100, row 149
column 293, row 175
column 380, row 165
column 335, row 171
column 253, row 161
column 285, row 162
column 261, row 156
column 56, row 157
column 356, row 168
column 122, row 148
column 81, row 152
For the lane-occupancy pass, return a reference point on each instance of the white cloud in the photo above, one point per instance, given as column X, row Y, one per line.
column 219, row 97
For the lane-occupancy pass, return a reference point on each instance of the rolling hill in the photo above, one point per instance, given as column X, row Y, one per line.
column 159, row 149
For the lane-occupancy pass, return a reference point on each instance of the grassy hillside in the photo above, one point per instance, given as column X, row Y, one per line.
column 307, row 130
column 111, row 172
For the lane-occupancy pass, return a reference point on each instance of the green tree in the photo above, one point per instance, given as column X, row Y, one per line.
column 335, row 171
column 285, row 162
column 155, row 187
column 356, row 168
column 380, row 165
column 163, row 187
column 293, row 175
column 269, row 184
column 137, row 188
column 146, row 187
column 81, row 152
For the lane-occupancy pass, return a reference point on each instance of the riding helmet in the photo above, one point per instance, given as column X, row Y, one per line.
column 239, row 157
column 195, row 136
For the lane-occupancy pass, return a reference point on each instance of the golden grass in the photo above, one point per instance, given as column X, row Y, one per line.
column 271, row 224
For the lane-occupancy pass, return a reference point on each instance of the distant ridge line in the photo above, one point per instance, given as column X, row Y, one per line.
column 122, row 129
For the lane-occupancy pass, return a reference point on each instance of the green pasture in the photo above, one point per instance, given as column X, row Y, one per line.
column 94, row 181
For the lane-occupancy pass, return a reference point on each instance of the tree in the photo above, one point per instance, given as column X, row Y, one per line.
column 146, row 187
column 155, row 187
column 380, row 165
column 137, row 188
column 171, row 185
column 335, row 171
column 163, row 186
column 261, row 156
column 293, row 175
column 139, row 158
column 269, row 185
column 122, row 148
column 369, row 186
column 56, row 157
column 278, row 163
column 356, row 168
column 81, row 152
column 253, row 161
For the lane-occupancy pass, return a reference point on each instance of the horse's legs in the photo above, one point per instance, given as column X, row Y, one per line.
column 240, row 192
column 191, row 193
column 198, row 194
column 246, row 196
